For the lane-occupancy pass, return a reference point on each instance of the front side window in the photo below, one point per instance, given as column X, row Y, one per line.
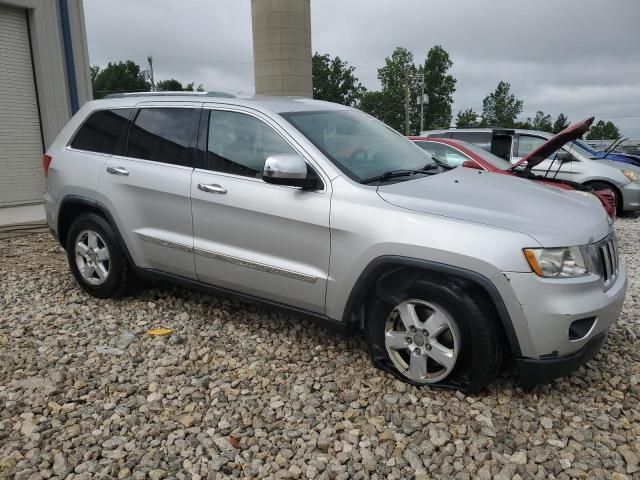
column 162, row 135
column 444, row 153
column 358, row 144
column 527, row 144
column 239, row 143
column 103, row 132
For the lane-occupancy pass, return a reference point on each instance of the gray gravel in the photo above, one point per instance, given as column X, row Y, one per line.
column 239, row 391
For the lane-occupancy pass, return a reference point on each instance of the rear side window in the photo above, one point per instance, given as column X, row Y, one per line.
column 162, row 135
column 240, row 144
column 479, row 138
column 103, row 132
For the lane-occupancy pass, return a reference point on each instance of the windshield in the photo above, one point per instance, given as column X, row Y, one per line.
column 494, row 160
column 358, row 144
column 585, row 146
column 575, row 147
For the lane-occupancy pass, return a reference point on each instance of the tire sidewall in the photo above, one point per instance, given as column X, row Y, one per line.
column 117, row 263
column 479, row 342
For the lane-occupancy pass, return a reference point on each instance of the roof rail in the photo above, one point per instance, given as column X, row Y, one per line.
column 170, row 94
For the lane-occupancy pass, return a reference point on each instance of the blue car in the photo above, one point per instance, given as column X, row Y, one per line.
column 608, row 154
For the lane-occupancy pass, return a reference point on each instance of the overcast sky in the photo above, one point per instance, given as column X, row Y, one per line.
column 580, row 57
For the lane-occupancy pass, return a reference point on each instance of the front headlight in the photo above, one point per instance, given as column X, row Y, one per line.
column 631, row 175
column 565, row 262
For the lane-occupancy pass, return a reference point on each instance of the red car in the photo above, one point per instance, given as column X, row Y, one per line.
column 456, row 153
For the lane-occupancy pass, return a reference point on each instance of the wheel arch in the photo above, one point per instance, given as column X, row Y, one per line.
column 386, row 267
column 73, row 205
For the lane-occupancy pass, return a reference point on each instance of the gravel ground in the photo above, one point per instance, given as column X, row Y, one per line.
column 240, row 391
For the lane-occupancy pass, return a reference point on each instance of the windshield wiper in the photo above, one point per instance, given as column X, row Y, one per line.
column 391, row 174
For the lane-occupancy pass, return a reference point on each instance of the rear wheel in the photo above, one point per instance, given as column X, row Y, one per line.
column 96, row 259
column 436, row 332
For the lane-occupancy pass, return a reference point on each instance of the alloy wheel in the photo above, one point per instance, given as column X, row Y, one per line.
column 92, row 257
column 422, row 341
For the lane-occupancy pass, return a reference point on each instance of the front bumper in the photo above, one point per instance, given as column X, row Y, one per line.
column 542, row 370
column 631, row 197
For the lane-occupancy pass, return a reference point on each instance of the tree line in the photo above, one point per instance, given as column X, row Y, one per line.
column 402, row 84
column 335, row 80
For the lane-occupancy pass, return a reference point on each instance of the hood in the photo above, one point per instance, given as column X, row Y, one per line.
column 552, row 145
column 551, row 216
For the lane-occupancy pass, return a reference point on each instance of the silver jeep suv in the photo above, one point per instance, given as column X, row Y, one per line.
column 323, row 210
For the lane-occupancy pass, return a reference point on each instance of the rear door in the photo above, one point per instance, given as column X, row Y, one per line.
column 148, row 187
column 269, row 241
column 551, row 167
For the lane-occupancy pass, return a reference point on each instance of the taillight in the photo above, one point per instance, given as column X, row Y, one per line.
column 46, row 161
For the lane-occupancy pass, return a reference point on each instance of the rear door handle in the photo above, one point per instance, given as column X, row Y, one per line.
column 118, row 171
column 213, row 188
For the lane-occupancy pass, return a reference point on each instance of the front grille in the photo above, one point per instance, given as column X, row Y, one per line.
column 608, row 253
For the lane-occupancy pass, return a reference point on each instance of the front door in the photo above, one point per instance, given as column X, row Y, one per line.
column 264, row 240
column 150, row 188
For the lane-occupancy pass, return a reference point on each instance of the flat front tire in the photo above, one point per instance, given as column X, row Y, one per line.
column 436, row 332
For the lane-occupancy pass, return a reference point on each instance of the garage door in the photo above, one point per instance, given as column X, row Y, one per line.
column 21, row 178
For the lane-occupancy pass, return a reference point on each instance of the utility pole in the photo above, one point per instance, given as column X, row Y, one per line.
column 153, row 83
column 422, row 105
column 406, row 100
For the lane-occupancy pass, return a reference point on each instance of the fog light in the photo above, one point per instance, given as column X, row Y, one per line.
column 580, row 328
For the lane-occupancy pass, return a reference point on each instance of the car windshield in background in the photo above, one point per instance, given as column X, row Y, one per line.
column 494, row 160
column 575, row 147
column 358, row 144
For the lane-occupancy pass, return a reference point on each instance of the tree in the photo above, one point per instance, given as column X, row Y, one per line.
column 468, row 118
column 190, row 87
column 439, row 86
column 542, row 122
column 501, row 108
column 372, row 103
column 560, row 124
column 334, row 80
column 119, row 77
column 171, row 85
column 394, row 76
column 603, row 131
column 94, row 70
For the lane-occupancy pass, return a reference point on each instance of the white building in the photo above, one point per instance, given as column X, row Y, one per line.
column 44, row 78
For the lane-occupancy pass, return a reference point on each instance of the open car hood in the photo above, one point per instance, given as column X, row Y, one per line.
column 554, row 144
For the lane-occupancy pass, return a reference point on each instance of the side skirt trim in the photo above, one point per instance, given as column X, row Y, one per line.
column 303, row 277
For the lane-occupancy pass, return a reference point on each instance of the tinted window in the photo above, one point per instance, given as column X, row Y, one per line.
column 162, row 135
column 479, row 138
column 444, row 153
column 103, row 131
column 527, row 144
column 439, row 135
column 240, row 144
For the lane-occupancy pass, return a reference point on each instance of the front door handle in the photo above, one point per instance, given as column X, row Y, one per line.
column 213, row 188
column 118, row 171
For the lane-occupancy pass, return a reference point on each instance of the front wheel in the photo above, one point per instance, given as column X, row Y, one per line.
column 436, row 333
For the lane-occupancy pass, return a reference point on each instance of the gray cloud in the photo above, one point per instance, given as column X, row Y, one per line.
column 579, row 57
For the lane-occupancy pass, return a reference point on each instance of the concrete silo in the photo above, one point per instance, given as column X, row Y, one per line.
column 282, row 47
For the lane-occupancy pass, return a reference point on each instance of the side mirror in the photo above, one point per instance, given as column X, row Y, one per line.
column 288, row 169
column 471, row 164
column 564, row 156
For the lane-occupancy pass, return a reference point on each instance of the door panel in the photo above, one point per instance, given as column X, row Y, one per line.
column 266, row 240
column 150, row 188
column 152, row 204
